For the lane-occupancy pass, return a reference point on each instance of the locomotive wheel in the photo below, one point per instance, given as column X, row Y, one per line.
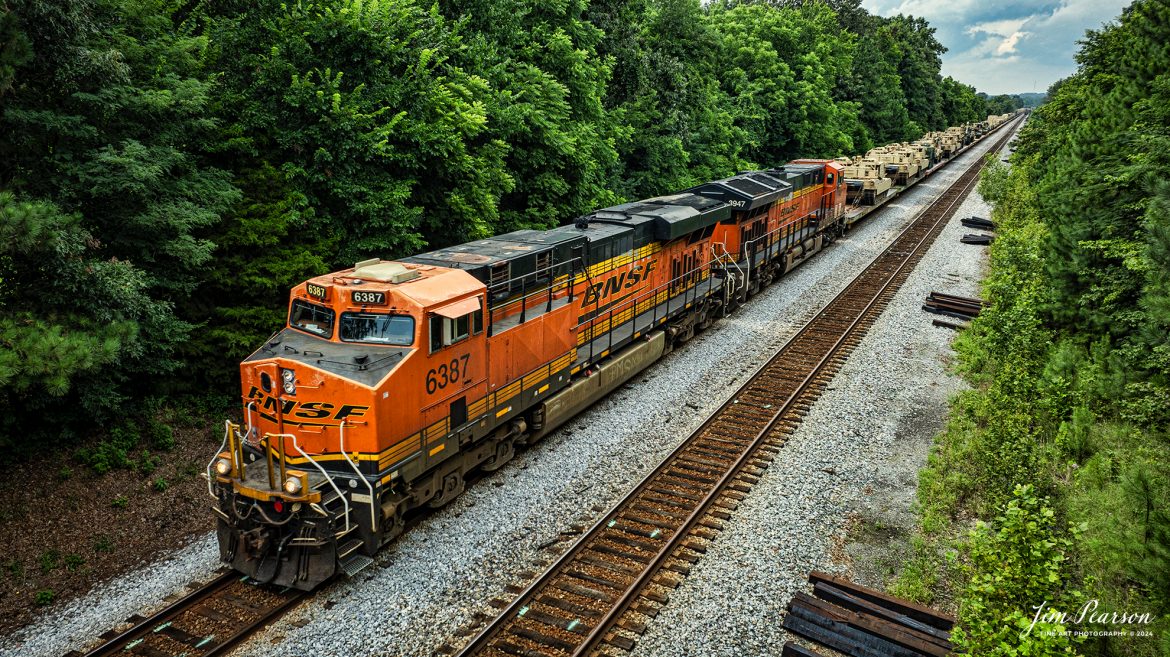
column 703, row 321
column 393, row 527
column 505, row 450
column 453, row 485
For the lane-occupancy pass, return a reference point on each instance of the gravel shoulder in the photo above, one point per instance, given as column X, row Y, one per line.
column 432, row 581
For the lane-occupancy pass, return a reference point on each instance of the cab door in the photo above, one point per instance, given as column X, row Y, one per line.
column 456, row 369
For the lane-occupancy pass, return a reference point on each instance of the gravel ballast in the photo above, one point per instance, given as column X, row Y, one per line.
column 428, row 585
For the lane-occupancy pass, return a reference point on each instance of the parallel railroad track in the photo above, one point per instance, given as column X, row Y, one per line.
column 210, row 620
column 597, row 596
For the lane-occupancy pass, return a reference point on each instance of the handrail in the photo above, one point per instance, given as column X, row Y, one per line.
column 649, row 294
column 251, row 425
column 732, row 261
column 544, row 289
column 369, row 486
column 552, row 266
column 226, row 434
column 319, row 469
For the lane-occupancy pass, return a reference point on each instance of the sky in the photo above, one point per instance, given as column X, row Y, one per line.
column 1006, row 47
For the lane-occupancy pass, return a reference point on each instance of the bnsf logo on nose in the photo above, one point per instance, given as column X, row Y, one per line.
column 306, row 410
column 621, row 281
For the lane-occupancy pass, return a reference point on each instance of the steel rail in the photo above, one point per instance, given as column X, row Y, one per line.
column 127, row 641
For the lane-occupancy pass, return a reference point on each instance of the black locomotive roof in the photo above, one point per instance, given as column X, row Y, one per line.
column 536, row 237
column 745, row 191
column 470, row 255
column 672, row 216
column 643, row 225
column 509, row 246
column 798, row 175
column 594, row 232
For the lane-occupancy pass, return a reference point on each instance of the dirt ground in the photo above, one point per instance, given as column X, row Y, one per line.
column 66, row 529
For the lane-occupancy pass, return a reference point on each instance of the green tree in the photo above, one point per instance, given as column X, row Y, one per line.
column 918, row 68
column 878, row 88
column 960, row 103
column 780, row 65
column 377, row 132
column 1104, row 149
column 678, row 124
column 71, row 316
column 106, row 123
column 544, row 100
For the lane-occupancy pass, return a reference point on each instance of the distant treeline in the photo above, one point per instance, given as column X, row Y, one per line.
column 170, row 169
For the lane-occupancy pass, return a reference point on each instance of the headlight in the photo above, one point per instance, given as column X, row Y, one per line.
column 223, row 467
column 289, row 381
column 292, row 485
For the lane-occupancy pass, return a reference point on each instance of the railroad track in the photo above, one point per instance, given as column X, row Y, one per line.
column 210, row 620
column 598, row 595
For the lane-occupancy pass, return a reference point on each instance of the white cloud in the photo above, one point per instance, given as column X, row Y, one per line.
column 1007, row 46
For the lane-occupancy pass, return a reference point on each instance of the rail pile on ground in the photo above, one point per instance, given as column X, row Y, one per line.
column 207, row 621
column 862, row 622
column 599, row 595
column 953, row 305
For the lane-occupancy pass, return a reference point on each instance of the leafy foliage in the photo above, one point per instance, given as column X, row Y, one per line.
column 1017, row 575
column 778, row 64
column 1069, row 361
column 106, row 191
column 679, row 123
column 543, row 104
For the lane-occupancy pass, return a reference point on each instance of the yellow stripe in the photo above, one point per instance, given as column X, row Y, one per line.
column 536, row 377
column 507, row 392
column 438, row 449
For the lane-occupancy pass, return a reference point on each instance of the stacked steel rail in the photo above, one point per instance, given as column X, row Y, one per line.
column 953, row 305
column 208, row 621
column 577, row 605
column 862, row 622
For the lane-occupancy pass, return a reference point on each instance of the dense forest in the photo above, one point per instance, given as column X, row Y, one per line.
column 169, row 170
column 1062, row 447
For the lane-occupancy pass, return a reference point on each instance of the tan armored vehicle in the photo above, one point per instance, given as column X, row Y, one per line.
column 866, row 181
column 901, row 163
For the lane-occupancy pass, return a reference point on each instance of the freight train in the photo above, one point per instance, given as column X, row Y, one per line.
column 393, row 380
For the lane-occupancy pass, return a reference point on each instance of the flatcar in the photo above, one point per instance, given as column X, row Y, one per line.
column 391, row 381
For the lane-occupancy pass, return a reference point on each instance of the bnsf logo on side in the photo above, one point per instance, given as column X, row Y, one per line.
column 307, row 410
column 622, row 281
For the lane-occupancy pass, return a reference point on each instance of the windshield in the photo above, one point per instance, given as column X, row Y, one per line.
column 312, row 318
column 378, row 329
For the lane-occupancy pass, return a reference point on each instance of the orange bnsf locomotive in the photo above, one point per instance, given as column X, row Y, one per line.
column 393, row 380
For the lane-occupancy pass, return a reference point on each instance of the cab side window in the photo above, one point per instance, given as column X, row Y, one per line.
column 446, row 331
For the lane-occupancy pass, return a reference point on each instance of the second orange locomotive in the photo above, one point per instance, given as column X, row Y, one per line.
column 392, row 380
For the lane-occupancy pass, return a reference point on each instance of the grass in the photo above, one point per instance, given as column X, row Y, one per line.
column 49, row 561
column 103, row 544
